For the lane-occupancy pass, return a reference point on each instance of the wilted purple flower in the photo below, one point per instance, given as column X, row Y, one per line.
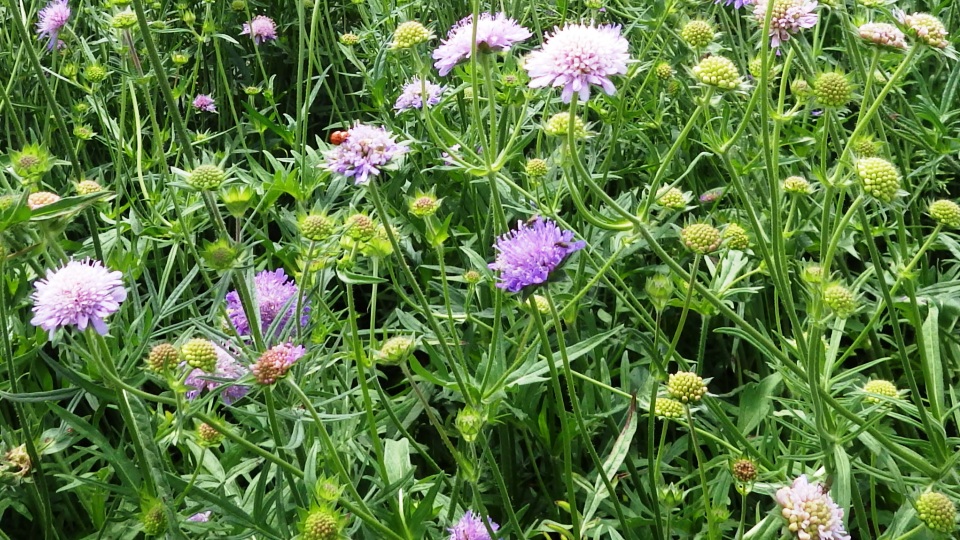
column 788, row 17
column 204, row 102
column 494, row 33
column 78, row 294
column 413, row 94
column 200, row 517
column 228, row 369
column 261, row 29
column 364, row 152
column 275, row 363
column 527, row 254
column 471, row 527
column 737, row 4
column 277, row 296
column 52, row 19
column 578, row 56
column 810, row 512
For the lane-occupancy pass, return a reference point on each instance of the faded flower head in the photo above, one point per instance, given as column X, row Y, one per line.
column 883, row 35
column 810, row 512
column 52, row 19
column 80, row 293
column 396, row 349
column 788, row 17
column 686, row 386
column 924, row 27
column 528, row 254
column 208, row 436
column 744, row 470
column 494, row 33
column 364, row 152
column 274, row 364
column 38, row 199
column 277, row 297
column 472, row 527
column 161, row 357
column 717, row 71
column 226, row 369
column 937, row 512
column 414, row 93
column 797, row 185
column 946, row 213
column 203, row 102
column 261, row 29
column 577, row 57
column 410, row 34
column 32, row 161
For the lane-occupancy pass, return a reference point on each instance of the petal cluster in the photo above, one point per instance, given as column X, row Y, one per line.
column 260, row 28
column 577, row 57
column 81, row 293
column 277, row 297
column 528, row 254
column 228, row 369
column 363, row 153
column 204, row 102
column 52, row 19
column 494, row 33
column 274, row 364
column 414, row 92
column 810, row 512
column 472, row 527
column 788, row 17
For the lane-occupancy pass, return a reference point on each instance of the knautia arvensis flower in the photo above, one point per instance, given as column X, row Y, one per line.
column 410, row 34
column 273, row 364
column 841, row 301
column 878, row 389
column 52, row 19
column 205, row 103
column 472, row 527
column 39, row 199
column 879, row 177
column 416, row 92
column 717, row 71
column 494, row 33
column 364, row 153
column 80, row 293
column 810, row 512
column 527, row 255
column 937, row 512
column 697, row 33
column 832, row 89
column 925, row 27
column 261, row 28
column 686, row 386
column 277, row 296
column 668, row 408
column 787, row 17
column 701, row 238
column 883, row 35
column 945, row 212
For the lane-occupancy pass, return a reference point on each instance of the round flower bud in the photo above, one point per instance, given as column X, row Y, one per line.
column 161, row 357
column 472, row 277
column 201, row 354
column 840, row 300
column 663, row 71
column 672, row 198
column 238, row 5
column 673, row 87
column 237, row 199
column 736, row 237
column 937, row 512
column 800, row 88
column 865, row 147
column 541, row 303
column 536, row 168
column 220, row 255
column 744, row 470
column 349, row 39
column 206, row 177
column 153, row 520
column 559, row 123
column 316, row 227
column 179, row 59
column 697, row 33
column 717, row 71
column 424, row 205
column 124, row 20
column 33, row 161
column 880, row 178
column 946, row 213
column 95, row 73
column 83, row 132
column 927, row 29
column 328, row 489
column 360, row 227
column 510, row 80
column 396, row 350
column 813, row 274
column 69, row 70
column 252, row 90
column 593, row 4
column 87, row 187
column 410, row 34
column 755, row 67
column 189, row 18
column 41, row 198
column 701, row 238
column 671, row 495
column 880, row 387
column 832, row 89
column 668, row 408
column 883, row 35
column 470, row 423
column 320, row 524
column 660, row 290
column 797, row 185
column 208, row 436
column 686, row 386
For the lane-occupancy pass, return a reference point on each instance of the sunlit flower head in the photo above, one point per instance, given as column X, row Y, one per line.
column 787, row 18
column 81, row 293
column 494, row 33
column 366, row 150
column 810, row 512
column 577, row 57
column 528, row 254
column 261, row 29
column 413, row 94
column 52, row 19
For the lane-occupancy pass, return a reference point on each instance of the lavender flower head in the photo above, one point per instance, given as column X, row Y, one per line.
column 277, row 297
column 577, row 56
column 365, row 151
column 737, row 4
column 52, row 19
column 80, row 293
column 810, row 512
column 788, row 17
column 200, row 517
column 413, row 94
column 527, row 254
column 494, row 33
column 261, row 29
column 204, row 102
column 228, row 368
column 471, row 527
column 275, row 363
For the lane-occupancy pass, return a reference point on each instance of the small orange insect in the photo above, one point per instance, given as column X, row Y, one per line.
column 337, row 137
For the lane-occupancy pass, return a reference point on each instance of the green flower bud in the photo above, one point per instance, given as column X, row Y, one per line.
column 663, row 71
column 797, row 185
column 206, row 177
column 470, row 423
column 396, row 350
column 410, row 34
column 95, row 73
column 946, row 213
column 360, row 227
column 162, row 357
column 153, row 519
column 320, row 524
column 832, row 89
column 697, row 33
column 208, row 436
column 537, row 168
column 736, row 237
column 686, row 386
column 668, row 408
column 840, row 300
column 124, row 20
column 660, row 290
column 880, row 387
column 316, row 227
column 424, row 205
column 701, row 238
column 937, row 512
column 559, row 123
column 717, row 71
column 880, row 178
column 672, row 198
column 349, row 39
column 201, row 354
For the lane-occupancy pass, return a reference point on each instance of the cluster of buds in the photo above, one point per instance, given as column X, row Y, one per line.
column 206, row 177
column 717, row 71
column 701, row 238
column 559, row 124
column 200, row 353
column 321, row 523
column 878, row 389
column 937, row 512
column 686, row 386
column 697, row 33
column 668, row 408
column 832, row 89
column 410, row 34
column 162, row 357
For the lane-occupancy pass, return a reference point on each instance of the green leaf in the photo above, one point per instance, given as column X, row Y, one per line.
column 756, row 403
column 932, row 366
column 619, row 452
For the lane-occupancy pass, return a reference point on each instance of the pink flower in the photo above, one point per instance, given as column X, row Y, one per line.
column 883, row 34
column 788, row 17
column 52, row 19
column 578, row 56
column 79, row 294
column 274, row 364
column 494, row 33
column 204, row 102
column 260, row 29
column 810, row 512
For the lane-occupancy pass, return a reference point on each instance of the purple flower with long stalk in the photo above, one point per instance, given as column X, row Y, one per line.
column 366, row 150
column 737, row 4
column 52, row 19
column 261, row 28
column 787, row 17
column 528, row 254
column 472, row 527
column 204, row 102
column 81, row 293
column 277, row 297
column 494, row 33
column 413, row 95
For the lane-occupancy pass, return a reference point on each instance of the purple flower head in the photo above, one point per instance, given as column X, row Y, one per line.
column 471, row 527
column 811, row 512
column 200, row 517
column 78, row 294
column 277, row 297
column 737, row 4
column 363, row 153
column 228, row 369
column 52, row 19
column 788, row 17
column 494, row 33
column 204, row 102
column 711, row 196
column 413, row 94
column 527, row 254
column 261, row 29
column 577, row 56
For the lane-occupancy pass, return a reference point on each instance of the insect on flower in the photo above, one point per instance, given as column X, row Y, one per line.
column 338, row 137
